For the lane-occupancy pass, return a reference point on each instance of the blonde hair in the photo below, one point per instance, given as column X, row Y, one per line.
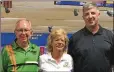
column 53, row 35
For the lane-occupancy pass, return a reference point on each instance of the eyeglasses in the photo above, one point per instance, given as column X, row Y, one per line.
column 23, row 30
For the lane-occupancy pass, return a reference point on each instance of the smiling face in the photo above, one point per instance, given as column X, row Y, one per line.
column 91, row 16
column 58, row 43
column 23, row 31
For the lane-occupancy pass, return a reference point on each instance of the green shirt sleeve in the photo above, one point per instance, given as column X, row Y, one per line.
column 4, row 61
column 1, row 68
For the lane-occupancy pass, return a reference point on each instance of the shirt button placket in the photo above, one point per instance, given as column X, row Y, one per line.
column 25, row 56
column 58, row 67
column 93, row 41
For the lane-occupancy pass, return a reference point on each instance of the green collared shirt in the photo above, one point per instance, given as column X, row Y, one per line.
column 26, row 60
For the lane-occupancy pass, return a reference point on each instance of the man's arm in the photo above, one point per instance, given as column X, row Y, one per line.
column 1, row 67
column 112, row 51
column 3, row 60
column 71, row 47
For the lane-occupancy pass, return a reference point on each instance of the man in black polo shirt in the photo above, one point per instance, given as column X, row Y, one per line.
column 92, row 47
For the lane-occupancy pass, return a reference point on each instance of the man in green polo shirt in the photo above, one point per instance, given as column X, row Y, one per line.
column 21, row 55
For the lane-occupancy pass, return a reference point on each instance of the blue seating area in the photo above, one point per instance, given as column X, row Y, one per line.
column 39, row 39
column 78, row 3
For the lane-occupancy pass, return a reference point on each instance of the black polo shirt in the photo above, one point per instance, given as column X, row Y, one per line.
column 91, row 53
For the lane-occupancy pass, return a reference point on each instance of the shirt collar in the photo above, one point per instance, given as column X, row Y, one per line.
column 51, row 58
column 87, row 32
column 16, row 46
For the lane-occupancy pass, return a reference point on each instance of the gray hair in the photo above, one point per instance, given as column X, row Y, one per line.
column 29, row 22
column 89, row 5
